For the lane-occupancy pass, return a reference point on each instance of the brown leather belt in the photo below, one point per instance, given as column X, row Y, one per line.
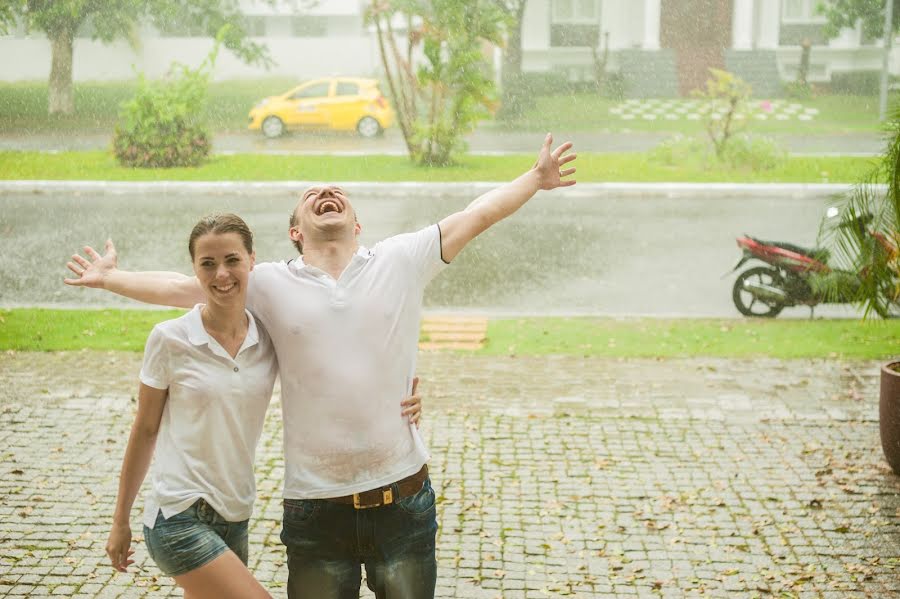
column 410, row 485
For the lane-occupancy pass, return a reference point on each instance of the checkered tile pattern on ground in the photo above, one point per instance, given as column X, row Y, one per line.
column 695, row 110
column 555, row 477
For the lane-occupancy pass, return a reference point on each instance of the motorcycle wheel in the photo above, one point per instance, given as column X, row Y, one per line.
column 750, row 305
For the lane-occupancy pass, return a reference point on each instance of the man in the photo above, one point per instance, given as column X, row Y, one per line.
column 345, row 324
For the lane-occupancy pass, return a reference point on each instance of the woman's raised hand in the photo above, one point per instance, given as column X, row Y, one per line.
column 92, row 272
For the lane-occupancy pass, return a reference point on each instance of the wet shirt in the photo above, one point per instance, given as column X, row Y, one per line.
column 212, row 419
column 347, row 355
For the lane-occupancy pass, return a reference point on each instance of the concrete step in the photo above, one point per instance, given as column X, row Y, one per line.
column 451, row 332
column 450, row 336
column 456, row 345
column 454, row 326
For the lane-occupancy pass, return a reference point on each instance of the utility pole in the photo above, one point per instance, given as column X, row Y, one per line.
column 888, row 40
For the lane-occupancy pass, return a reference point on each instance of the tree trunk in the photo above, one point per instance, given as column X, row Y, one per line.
column 404, row 118
column 513, row 92
column 512, row 58
column 60, row 94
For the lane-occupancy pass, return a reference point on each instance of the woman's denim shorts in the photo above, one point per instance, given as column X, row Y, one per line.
column 193, row 538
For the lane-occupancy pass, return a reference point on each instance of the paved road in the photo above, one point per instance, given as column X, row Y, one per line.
column 481, row 141
column 555, row 477
column 570, row 253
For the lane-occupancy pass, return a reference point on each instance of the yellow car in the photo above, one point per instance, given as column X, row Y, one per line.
column 339, row 103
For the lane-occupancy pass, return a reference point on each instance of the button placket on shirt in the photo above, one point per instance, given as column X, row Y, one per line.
column 232, row 363
column 338, row 296
column 338, row 287
column 339, row 293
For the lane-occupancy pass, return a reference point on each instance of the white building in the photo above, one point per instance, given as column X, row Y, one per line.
column 665, row 47
column 305, row 39
column 660, row 47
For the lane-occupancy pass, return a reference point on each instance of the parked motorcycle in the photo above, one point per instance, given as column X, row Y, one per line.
column 794, row 275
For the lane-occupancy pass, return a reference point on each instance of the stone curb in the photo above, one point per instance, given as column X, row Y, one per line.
column 793, row 191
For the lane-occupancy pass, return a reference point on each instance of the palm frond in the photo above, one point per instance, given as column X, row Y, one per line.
column 863, row 237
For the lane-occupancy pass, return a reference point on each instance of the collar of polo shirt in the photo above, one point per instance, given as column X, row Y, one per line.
column 197, row 334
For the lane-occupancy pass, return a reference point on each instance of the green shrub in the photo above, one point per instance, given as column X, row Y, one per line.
column 615, row 87
column 753, row 152
column 798, row 90
column 162, row 125
column 725, row 96
column 680, row 149
column 862, row 83
column 741, row 151
column 543, row 84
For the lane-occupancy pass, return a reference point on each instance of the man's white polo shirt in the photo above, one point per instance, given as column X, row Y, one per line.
column 347, row 355
column 212, row 419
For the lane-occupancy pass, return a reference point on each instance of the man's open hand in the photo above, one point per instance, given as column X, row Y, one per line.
column 549, row 165
column 92, row 271
column 411, row 407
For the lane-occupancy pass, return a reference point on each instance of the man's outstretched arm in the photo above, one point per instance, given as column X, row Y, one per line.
column 459, row 229
column 158, row 287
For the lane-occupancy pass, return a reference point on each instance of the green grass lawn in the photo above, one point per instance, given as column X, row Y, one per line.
column 23, row 106
column 30, row 329
column 98, row 165
column 647, row 338
column 23, row 110
column 584, row 112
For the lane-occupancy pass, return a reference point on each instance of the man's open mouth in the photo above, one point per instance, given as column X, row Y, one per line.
column 328, row 206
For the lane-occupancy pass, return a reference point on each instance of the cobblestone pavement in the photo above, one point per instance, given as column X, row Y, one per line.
column 555, row 477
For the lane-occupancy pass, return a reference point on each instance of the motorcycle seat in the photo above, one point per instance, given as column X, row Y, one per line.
column 820, row 254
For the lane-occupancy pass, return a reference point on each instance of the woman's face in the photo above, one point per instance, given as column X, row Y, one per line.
column 222, row 265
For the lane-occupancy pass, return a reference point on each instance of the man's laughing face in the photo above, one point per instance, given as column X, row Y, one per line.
column 323, row 212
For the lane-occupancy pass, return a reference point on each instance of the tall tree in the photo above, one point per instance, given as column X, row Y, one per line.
column 511, row 81
column 512, row 52
column 440, row 81
column 846, row 13
column 60, row 20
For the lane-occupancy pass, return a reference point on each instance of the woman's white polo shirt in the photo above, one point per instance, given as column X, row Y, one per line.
column 212, row 419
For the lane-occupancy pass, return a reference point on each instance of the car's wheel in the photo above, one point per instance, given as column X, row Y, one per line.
column 754, row 304
column 273, row 127
column 368, row 127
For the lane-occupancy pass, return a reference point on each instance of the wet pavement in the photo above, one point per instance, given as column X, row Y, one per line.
column 555, row 477
column 578, row 251
column 482, row 141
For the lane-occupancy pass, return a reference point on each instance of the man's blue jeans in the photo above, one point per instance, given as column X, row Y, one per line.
column 326, row 543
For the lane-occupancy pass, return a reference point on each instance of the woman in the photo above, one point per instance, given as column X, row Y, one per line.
column 206, row 381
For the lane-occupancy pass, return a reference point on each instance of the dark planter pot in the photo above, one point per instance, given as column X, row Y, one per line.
column 889, row 414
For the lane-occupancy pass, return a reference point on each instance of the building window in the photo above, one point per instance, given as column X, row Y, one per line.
column 309, row 26
column 255, row 25
column 575, row 11
column 182, row 29
column 575, row 23
column 802, row 11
